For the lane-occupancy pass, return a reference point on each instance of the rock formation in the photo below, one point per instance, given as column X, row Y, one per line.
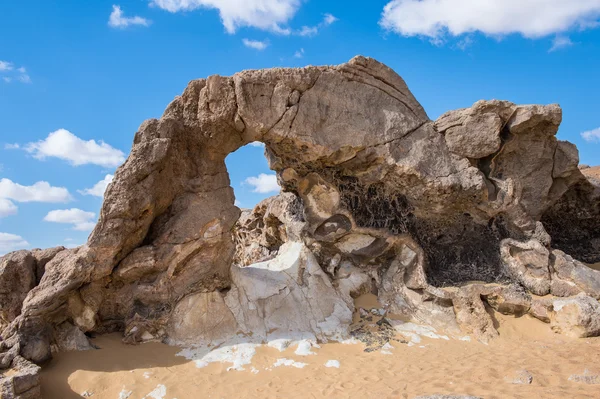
column 482, row 208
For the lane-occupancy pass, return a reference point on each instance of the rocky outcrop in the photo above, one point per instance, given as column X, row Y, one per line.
column 376, row 198
column 22, row 382
column 20, row 271
column 573, row 220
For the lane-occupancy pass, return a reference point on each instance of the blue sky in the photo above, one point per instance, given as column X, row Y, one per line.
column 73, row 71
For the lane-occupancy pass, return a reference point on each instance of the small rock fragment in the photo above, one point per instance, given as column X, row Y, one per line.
column 521, row 377
column 586, row 378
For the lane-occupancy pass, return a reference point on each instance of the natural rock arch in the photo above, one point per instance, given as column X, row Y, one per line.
column 375, row 191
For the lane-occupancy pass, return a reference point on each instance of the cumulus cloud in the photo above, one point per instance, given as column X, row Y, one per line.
column 81, row 220
column 531, row 18
column 255, row 44
column 11, row 242
column 328, row 19
column 118, row 20
column 268, row 15
column 99, row 188
column 592, row 136
column 10, row 146
column 6, row 66
column 263, row 183
column 560, row 42
column 7, row 208
column 39, row 192
column 65, row 145
column 18, row 74
column 257, row 144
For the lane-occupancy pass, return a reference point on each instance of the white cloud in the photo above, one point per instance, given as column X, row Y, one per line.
column 9, row 146
column 592, row 136
column 7, row 208
column 261, row 14
column 328, row 19
column 19, row 74
column 24, row 78
column 530, row 18
column 308, row 31
column 65, row 145
column 560, row 42
column 39, row 192
column 118, row 20
column 299, row 53
column 6, row 66
column 99, row 188
column 81, row 220
column 70, row 243
column 263, row 183
column 10, row 242
column 464, row 43
column 255, row 44
column 257, row 144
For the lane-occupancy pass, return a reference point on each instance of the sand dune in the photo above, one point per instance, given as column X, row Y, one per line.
column 154, row 370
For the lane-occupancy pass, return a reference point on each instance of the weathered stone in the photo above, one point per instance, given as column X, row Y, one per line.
column 522, row 377
column 472, row 316
column 572, row 221
column 23, row 381
column 289, row 294
column 566, row 159
column 507, row 299
column 201, row 318
column 541, row 308
column 376, row 198
column 586, row 378
column 70, row 338
column 477, row 136
column 259, row 233
column 17, row 278
column 571, row 277
column 528, row 263
column 42, row 257
column 577, row 316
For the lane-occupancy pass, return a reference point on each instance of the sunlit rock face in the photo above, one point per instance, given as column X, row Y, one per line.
column 438, row 218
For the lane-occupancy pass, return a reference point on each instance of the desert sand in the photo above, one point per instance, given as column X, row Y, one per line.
column 449, row 366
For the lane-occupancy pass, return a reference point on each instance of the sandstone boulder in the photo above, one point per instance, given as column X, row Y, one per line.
column 23, row 381
column 571, row 277
column 577, row 316
column 20, row 272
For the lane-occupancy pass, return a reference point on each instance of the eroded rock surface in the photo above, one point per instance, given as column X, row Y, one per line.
column 23, row 382
column 443, row 220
